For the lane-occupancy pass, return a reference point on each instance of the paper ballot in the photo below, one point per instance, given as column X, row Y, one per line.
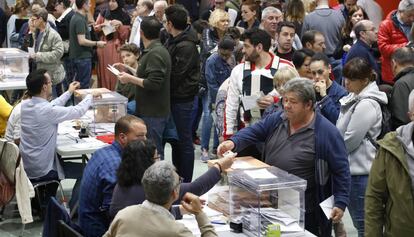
column 260, row 174
column 327, row 206
column 113, row 70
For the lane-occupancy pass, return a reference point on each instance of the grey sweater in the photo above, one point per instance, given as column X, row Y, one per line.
column 329, row 22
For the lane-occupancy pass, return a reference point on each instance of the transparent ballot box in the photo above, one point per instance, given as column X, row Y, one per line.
column 104, row 111
column 14, row 64
column 266, row 197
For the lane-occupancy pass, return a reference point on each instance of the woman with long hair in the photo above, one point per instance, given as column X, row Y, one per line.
column 360, row 124
column 295, row 13
column 113, row 27
column 15, row 23
column 136, row 158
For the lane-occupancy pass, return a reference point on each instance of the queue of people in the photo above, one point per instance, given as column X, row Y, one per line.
column 321, row 92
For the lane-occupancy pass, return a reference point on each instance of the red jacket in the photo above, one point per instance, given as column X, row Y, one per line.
column 390, row 38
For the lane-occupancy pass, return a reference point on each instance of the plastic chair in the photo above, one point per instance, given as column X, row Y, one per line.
column 57, row 212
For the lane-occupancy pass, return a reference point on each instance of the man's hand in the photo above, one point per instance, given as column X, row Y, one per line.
column 336, row 214
column 192, row 203
column 100, row 44
column 225, row 146
column 123, row 77
column 225, row 163
column 265, row 101
column 320, row 87
column 73, row 86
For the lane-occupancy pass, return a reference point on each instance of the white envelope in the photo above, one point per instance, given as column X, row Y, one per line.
column 327, row 206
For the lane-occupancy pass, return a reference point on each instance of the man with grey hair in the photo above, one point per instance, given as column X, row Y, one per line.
column 394, row 33
column 159, row 9
column 152, row 218
column 402, row 65
column 144, row 8
column 304, row 143
column 388, row 206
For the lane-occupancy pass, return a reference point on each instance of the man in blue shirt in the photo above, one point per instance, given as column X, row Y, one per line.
column 99, row 177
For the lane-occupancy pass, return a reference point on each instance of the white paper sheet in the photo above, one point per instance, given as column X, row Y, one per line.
column 260, row 174
column 241, row 164
column 250, row 102
column 112, row 69
column 30, row 50
column 327, row 206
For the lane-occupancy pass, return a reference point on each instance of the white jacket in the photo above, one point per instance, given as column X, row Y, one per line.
column 235, row 91
column 356, row 122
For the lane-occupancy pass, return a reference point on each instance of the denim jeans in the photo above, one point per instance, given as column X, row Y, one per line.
column 82, row 69
column 356, row 202
column 70, row 74
column 155, row 128
column 207, row 124
column 196, row 115
column 183, row 150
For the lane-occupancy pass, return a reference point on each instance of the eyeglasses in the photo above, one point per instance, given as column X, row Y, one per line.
column 373, row 30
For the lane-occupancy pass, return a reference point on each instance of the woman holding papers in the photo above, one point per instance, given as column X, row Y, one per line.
column 113, row 27
column 136, row 158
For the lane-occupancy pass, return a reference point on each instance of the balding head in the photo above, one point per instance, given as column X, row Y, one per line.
column 130, row 128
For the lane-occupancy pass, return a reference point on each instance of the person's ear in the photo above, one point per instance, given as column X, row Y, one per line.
column 308, row 45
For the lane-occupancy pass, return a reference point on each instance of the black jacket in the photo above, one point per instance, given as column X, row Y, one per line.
column 185, row 71
column 404, row 83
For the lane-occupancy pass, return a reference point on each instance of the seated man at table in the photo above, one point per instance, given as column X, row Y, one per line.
column 99, row 177
column 304, row 143
column 152, row 218
column 39, row 125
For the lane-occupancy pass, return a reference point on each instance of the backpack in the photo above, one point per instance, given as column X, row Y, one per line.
column 385, row 121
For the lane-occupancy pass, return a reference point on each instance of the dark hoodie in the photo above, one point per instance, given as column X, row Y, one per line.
column 185, row 71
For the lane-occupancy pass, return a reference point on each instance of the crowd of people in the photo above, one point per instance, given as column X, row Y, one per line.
column 322, row 92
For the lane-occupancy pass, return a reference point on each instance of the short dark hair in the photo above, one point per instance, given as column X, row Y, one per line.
column 300, row 55
column 309, row 37
column 258, row 36
column 404, row 56
column 282, row 24
column 66, row 3
column 41, row 13
column 177, row 15
column 79, row 3
column 133, row 48
column 320, row 57
column 200, row 25
column 151, row 27
column 358, row 69
column 35, row 81
column 233, row 32
column 123, row 124
column 136, row 158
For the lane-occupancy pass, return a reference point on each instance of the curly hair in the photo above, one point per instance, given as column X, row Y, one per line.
column 216, row 16
column 136, row 158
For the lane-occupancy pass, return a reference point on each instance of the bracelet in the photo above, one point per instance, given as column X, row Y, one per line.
column 216, row 163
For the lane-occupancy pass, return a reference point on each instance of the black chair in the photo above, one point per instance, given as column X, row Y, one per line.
column 65, row 230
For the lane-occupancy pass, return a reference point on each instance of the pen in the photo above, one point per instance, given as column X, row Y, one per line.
column 218, row 222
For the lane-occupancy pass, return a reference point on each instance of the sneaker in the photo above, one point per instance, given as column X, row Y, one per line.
column 213, row 155
column 204, row 156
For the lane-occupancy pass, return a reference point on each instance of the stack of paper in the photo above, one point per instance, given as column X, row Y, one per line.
column 112, row 69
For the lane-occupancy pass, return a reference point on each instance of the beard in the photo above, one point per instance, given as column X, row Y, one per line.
column 253, row 57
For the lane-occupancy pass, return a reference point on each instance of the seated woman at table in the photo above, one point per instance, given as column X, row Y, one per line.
column 136, row 158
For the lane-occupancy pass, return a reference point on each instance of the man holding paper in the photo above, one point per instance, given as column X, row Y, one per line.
column 304, row 143
column 152, row 82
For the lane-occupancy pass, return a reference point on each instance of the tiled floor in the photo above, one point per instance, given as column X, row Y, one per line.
column 11, row 226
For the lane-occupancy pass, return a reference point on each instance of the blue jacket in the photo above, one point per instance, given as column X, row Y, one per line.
column 217, row 71
column 331, row 162
column 361, row 50
column 329, row 106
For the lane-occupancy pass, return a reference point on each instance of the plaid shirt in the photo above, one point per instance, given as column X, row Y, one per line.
column 98, row 181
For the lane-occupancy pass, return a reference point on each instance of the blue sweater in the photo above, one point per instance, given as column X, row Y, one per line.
column 329, row 106
column 361, row 50
column 331, row 162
